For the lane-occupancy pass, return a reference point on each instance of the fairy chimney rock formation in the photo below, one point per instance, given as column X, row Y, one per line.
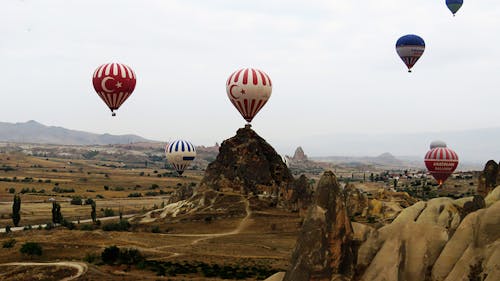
column 324, row 248
column 299, row 155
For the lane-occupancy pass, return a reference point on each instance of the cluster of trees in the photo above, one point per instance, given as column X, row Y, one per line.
column 57, row 217
column 209, row 270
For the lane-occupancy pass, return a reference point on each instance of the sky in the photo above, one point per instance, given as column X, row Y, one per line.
column 333, row 64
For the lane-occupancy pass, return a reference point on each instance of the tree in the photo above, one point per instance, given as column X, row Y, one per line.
column 31, row 249
column 110, row 255
column 16, row 208
column 93, row 213
column 56, row 213
column 372, row 177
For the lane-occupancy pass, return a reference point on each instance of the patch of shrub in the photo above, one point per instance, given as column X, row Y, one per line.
column 58, row 189
column 76, row 200
column 108, row 212
column 9, row 243
column 31, row 249
column 123, row 225
column 135, row 194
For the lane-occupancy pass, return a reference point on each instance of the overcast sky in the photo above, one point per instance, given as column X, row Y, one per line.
column 333, row 64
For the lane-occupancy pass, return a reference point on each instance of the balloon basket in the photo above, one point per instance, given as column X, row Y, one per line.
column 113, row 114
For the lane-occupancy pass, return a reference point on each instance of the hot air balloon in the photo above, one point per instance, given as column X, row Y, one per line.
column 441, row 161
column 180, row 154
column 249, row 89
column 454, row 5
column 410, row 48
column 114, row 83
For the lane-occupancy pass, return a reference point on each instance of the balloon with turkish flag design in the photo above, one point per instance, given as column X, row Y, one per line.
column 114, row 83
column 249, row 89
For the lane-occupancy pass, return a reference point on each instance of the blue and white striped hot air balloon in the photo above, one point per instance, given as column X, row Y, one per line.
column 410, row 48
column 180, row 154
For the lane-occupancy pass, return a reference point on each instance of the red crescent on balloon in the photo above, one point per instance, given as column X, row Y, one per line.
column 231, row 92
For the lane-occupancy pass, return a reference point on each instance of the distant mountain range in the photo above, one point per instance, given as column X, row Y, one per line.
column 34, row 132
column 475, row 146
column 385, row 159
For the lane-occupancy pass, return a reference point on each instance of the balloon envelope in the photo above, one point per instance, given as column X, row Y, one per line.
column 410, row 48
column 248, row 89
column 180, row 154
column 441, row 163
column 114, row 83
column 454, row 5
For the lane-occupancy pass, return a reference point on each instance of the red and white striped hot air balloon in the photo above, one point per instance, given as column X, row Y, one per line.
column 249, row 89
column 441, row 161
column 114, row 83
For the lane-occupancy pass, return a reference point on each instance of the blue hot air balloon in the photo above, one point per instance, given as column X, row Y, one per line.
column 410, row 48
column 180, row 154
column 454, row 5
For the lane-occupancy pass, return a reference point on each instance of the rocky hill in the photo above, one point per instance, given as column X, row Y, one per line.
column 34, row 132
column 246, row 163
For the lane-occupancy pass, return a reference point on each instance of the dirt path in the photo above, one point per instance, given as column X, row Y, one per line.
column 19, row 228
column 80, row 267
column 202, row 237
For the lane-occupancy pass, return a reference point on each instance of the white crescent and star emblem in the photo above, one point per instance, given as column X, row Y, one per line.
column 103, row 84
column 240, row 92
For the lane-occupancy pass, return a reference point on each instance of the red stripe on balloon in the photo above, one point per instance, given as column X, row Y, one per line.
column 254, row 75
column 240, row 108
column 245, row 77
column 262, row 77
column 252, row 106
column 269, row 79
column 237, row 75
column 245, row 101
column 230, row 77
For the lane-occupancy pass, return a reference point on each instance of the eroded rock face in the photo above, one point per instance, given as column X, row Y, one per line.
column 474, row 249
column 435, row 237
column 488, row 178
column 247, row 163
column 181, row 193
column 324, row 249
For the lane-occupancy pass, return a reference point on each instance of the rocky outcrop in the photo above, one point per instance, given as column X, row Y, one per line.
column 440, row 240
column 299, row 155
column 301, row 195
column 324, row 249
column 474, row 249
column 246, row 163
column 356, row 201
column 181, row 193
column 489, row 178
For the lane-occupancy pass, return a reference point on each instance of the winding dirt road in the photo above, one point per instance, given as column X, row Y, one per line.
column 202, row 237
column 80, row 267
